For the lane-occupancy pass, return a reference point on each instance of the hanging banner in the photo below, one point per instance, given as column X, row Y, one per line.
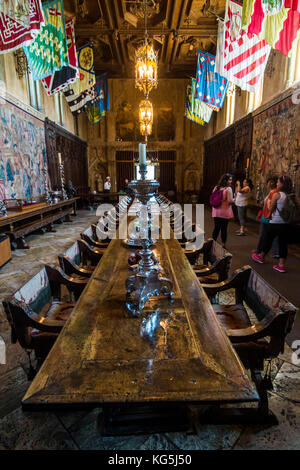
column 48, row 52
column 211, row 87
column 244, row 55
column 98, row 108
column 78, row 103
column 19, row 29
column 68, row 74
column 292, row 4
column 273, row 22
column 87, row 79
column 18, row 10
column 196, row 110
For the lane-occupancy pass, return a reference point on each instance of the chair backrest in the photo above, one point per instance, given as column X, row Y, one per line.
column 87, row 235
column 219, row 257
column 73, row 253
column 262, row 298
column 272, row 308
column 22, row 306
column 36, row 293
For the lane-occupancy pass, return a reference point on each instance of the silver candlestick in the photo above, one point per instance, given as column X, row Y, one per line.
column 146, row 282
column 62, row 181
column 46, row 186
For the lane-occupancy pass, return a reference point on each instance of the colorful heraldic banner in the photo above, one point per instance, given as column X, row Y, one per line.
column 199, row 108
column 18, row 10
column 48, row 52
column 86, row 78
column 78, row 103
column 188, row 107
column 211, row 87
column 275, row 21
column 96, row 110
column 68, row 74
column 244, row 55
column 20, row 29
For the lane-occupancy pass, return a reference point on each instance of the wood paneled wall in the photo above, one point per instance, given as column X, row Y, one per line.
column 74, row 156
column 227, row 152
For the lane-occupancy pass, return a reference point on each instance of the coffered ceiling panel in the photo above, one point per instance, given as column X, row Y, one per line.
column 177, row 28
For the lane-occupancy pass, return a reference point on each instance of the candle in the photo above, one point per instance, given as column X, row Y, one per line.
column 247, row 162
column 59, row 158
column 142, row 154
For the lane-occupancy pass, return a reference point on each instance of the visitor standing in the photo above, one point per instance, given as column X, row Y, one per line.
column 221, row 200
column 266, row 217
column 277, row 227
column 107, row 186
column 241, row 202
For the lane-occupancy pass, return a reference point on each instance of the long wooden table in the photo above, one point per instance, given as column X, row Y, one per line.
column 173, row 353
column 17, row 224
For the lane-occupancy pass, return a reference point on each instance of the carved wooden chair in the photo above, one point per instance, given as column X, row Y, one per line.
column 36, row 312
column 256, row 341
column 89, row 236
column 80, row 260
column 216, row 263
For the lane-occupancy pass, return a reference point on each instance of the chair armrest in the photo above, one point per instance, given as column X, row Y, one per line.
column 33, row 319
column 258, row 330
column 238, row 278
column 206, row 271
column 57, row 275
column 70, row 268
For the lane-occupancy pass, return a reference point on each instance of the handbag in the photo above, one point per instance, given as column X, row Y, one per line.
column 259, row 215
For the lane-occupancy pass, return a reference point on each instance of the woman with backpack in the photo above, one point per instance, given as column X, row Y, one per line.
column 265, row 216
column 221, row 201
column 241, row 202
column 278, row 225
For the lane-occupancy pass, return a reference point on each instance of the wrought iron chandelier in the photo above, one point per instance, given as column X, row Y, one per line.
column 146, row 79
column 145, row 68
column 146, row 63
column 146, row 117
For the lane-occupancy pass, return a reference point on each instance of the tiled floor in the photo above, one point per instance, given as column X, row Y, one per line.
column 79, row 430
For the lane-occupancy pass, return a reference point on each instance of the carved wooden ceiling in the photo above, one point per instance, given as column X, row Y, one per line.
column 177, row 29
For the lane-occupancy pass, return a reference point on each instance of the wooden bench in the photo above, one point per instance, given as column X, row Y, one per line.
column 20, row 223
column 216, row 263
column 259, row 340
column 37, row 313
column 80, row 260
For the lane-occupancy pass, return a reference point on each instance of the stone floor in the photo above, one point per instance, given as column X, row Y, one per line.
column 79, row 430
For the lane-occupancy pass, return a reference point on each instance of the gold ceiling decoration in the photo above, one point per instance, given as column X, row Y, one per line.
column 137, row 8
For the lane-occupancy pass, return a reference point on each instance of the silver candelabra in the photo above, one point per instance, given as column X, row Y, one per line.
column 46, row 186
column 146, row 282
column 62, row 181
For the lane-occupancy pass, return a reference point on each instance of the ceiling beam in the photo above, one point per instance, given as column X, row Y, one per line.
column 113, row 31
column 202, row 30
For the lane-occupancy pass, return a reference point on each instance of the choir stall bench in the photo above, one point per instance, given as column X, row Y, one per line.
column 258, row 340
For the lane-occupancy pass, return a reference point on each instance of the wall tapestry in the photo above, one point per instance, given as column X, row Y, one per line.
column 275, row 145
column 22, row 152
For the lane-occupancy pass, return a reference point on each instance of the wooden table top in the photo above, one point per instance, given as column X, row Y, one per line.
column 14, row 216
column 172, row 353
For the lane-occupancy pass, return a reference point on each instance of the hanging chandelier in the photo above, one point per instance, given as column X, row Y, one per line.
column 146, row 63
column 146, row 117
column 145, row 68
